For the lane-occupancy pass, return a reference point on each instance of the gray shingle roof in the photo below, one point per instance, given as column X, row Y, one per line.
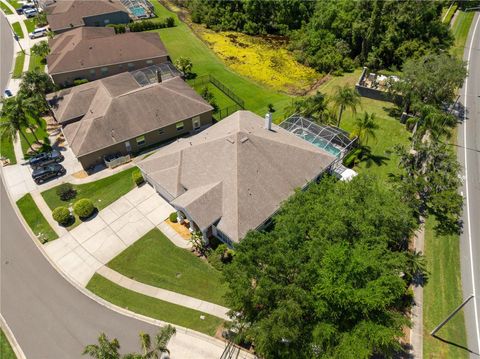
column 235, row 171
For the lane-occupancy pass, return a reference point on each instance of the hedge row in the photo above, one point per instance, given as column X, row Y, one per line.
column 143, row 25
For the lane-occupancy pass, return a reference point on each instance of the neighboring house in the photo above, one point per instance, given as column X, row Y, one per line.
column 93, row 53
column 64, row 15
column 117, row 115
column 233, row 176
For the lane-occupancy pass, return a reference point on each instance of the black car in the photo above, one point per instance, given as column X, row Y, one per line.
column 45, row 158
column 21, row 10
column 43, row 174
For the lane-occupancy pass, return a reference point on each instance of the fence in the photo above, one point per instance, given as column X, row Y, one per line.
column 226, row 111
column 205, row 79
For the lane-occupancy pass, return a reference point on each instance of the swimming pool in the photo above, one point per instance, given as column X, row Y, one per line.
column 317, row 141
column 138, row 11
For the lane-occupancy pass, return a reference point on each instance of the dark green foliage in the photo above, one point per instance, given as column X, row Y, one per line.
column 327, row 281
column 61, row 215
column 146, row 25
column 66, row 191
column 80, row 82
column 173, row 217
column 169, row 22
column 119, row 28
column 84, row 208
column 210, row 98
column 221, row 256
column 137, row 178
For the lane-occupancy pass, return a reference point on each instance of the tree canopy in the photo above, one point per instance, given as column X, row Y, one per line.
column 330, row 279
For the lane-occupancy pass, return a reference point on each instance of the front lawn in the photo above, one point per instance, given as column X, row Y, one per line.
column 36, row 62
column 17, row 29
column 181, row 41
column 102, row 192
column 35, row 219
column 153, row 307
column 154, row 260
column 30, row 24
column 6, row 149
column 5, row 9
column 19, row 62
column 442, row 294
column 6, row 351
column 40, row 133
column 14, row 3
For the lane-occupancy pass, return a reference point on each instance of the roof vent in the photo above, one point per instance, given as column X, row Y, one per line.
column 244, row 139
column 268, row 121
column 231, row 140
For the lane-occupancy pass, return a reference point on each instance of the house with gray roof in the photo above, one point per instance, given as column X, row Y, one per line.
column 64, row 15
column 93, row 53
column 233, row 176
column 118, row 115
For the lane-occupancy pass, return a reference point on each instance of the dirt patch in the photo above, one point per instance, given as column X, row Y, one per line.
column 182, row 229
column 80, row 174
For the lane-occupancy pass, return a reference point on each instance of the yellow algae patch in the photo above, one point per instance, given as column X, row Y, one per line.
column 263, row 59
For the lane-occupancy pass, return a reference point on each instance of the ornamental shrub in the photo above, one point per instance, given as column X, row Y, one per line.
column 137, row 178
column 62, row 215
column 66, row 191
column 173, row 217
column 84, row 208
column 79, row 82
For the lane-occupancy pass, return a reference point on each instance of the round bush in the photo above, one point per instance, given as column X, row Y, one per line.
column 66, row 192
column 83, row 208
column 173, row 217
column 61, row 215
column 137, row 178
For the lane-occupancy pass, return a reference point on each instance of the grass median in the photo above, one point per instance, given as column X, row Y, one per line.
column 19, row 62
column 5, row 9
column 17, row 28
column 460, row 30
column 6, row 149
column 35, row 219
column 156, row 261
column 6, row 351
column 152, row 307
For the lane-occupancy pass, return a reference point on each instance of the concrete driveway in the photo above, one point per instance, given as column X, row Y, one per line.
column 86, row 248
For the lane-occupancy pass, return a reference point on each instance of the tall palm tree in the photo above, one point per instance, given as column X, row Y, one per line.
column 365, row 128
column 343, row 98
column 162, row 338
column 156, row 350
column 105, row 349
column 36, row 85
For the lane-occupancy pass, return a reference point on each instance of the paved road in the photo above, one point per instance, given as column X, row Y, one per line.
column 6, row 52
column 469, row 157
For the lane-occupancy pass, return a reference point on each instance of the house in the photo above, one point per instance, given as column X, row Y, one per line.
column 69, row 14
column 118, row 115
column 233, row 176
column 93, row 53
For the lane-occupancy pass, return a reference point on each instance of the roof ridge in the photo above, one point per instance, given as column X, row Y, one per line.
column 182, row 95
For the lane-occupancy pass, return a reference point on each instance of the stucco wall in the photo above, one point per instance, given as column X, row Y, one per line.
column 67, row 78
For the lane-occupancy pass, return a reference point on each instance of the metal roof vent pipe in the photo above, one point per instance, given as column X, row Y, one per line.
column 268, row 121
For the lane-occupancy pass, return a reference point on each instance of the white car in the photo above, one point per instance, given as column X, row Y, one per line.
column 38, row 33
column 30, row 12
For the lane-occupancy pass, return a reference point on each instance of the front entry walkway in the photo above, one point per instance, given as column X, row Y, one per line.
column 86, row 248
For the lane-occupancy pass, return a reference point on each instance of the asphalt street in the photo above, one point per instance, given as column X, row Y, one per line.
column 469, row 157
column 6, row 51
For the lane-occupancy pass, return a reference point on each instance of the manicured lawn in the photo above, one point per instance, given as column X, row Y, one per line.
column 35, row 219
column 448, row 13
column 19, row 62
column 17, row 29
column 442, row 294
column 153, row 307
column 460, row 30
column 180, row 41
column 154, row 260
column 40, row 132
column 102, row 192
column 6, row 351
column 30, row 24
column 15, row 3
column 5, row 9
column 36, row 62
column 6, row 149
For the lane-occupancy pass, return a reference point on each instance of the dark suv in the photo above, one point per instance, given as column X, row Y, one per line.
column 45, row 158
column 43, row 174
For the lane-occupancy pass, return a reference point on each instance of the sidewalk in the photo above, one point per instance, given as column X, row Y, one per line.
column 416, row 334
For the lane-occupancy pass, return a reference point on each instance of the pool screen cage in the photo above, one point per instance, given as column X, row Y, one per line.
column 326, row 137
column 139, row 9
column 149, row 75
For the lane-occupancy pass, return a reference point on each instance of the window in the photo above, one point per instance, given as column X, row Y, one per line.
column 196, row 122
column 92, row 72
column 140, row 140
column 106, row 21
column 149, row 62
column 104, row 70
column 130, row 65
column 180, row 126
column 161, row 131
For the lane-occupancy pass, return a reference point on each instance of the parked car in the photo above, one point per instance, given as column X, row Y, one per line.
column 43, row 174
column 38, row 33
column 45, row 158
column 8, row 93
column 30, row 12
column 19, row 11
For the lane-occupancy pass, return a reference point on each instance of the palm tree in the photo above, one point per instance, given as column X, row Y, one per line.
column 156, row 350
column 345, row 97
column 365, row 128
column 41, row 49
column 105, row 349
column 36, row 84
column 162, row 338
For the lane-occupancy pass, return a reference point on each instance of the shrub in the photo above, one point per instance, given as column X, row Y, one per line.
column 151, row 25
column 79, row 82
column 83, row 208
column 61, row 215
column 221, row 256
column 169, row 22
column 66, row 192
column 137, row 178
column 173, row 217
column 119, row 28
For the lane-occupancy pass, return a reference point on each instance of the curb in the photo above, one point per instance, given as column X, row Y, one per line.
column 11, row 339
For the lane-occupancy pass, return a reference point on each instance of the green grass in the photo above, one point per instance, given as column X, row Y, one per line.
column 221, row 99
column 14, row 3
column 17, row 28
column 40, row 132
column 36, row 62
column 6, row 149
column 6, row 351
column 154, row 260
column 447, row 17
column 181, row 41
column 35, row 219
column 30, row 24
column 460, row 30
column 442, row 294
column 5, row 9
column 153, row 307
column 19, row 62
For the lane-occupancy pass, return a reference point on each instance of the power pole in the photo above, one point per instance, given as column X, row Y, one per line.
column 15, row 36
